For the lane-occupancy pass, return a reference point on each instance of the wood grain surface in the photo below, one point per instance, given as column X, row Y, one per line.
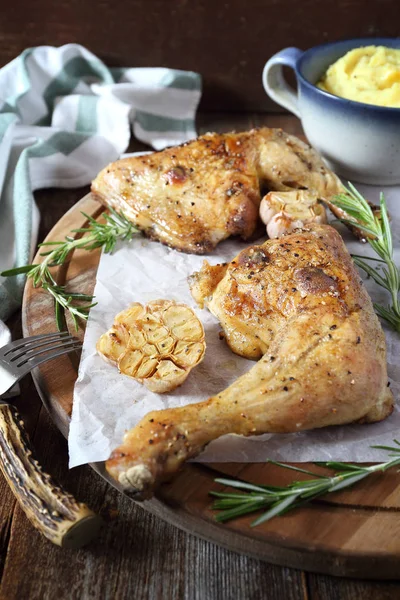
column 227, row 42
column 136, row 542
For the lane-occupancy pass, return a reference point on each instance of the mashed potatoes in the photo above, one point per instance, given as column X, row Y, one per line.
column 370, row 74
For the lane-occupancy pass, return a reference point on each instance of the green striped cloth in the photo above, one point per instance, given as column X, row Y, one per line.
column 63, row 116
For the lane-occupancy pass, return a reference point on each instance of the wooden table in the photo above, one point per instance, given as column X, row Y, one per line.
column 138, row 556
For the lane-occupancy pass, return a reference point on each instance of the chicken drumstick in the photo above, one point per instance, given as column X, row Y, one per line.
column 297, row 302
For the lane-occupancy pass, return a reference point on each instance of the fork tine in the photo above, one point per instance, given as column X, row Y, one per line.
column 12, row 346
column 46, row 350
column 34, row 362
column 16, row 353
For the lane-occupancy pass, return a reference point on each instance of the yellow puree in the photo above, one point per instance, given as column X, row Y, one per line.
column 370, row 74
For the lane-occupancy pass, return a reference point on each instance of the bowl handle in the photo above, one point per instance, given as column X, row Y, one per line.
column 274, row 83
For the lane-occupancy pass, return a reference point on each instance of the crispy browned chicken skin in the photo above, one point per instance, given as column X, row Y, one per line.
column 193, row 196
column 298, row 303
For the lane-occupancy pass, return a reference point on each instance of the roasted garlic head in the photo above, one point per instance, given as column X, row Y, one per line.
column 283, row 212
column 157, row 344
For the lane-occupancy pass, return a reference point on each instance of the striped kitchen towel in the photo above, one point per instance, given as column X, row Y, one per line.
column 64, row 115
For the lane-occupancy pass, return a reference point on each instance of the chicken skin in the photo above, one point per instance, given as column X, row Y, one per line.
column 298, row 303
column 193, row 196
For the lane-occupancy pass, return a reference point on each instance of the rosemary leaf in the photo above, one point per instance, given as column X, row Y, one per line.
column 59, row 316
column 277, row 508
column 291, row 467
column 17, row 271
column 242, row 485
column 376, row 276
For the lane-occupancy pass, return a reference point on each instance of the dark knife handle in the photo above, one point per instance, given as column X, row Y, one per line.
column 52, row 510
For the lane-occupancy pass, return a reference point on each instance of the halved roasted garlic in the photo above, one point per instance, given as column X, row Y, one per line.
column 283, row 212
column 157, row 344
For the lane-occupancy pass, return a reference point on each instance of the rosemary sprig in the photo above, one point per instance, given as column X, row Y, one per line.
column 280, row 500
column 95, row 235
column 379, row 236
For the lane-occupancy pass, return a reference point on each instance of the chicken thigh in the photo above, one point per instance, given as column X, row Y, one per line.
column 298, row 303
column 193, row 196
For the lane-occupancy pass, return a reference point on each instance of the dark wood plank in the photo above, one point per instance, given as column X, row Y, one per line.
column 221, row 121
column 332, row 588
column 227, row 42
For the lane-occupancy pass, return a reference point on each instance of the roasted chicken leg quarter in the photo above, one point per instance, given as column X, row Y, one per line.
column 193, row 196
column 298, row 303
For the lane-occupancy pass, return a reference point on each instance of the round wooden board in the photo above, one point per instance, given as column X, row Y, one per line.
column 354, row 533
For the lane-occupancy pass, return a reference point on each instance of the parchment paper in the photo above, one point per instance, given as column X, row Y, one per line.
column 107, row 403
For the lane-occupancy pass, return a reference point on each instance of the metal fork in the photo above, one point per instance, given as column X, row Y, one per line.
column 20, row 357
column 52, row 510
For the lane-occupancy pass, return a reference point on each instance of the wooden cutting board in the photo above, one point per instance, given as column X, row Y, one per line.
column 354, row 533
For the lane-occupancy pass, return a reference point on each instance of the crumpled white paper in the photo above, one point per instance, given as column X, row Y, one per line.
column 106, row 403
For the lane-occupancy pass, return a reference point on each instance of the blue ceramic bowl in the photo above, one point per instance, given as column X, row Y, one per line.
column 361, row 142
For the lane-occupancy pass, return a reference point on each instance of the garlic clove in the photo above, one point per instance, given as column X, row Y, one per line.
column 282, row 212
